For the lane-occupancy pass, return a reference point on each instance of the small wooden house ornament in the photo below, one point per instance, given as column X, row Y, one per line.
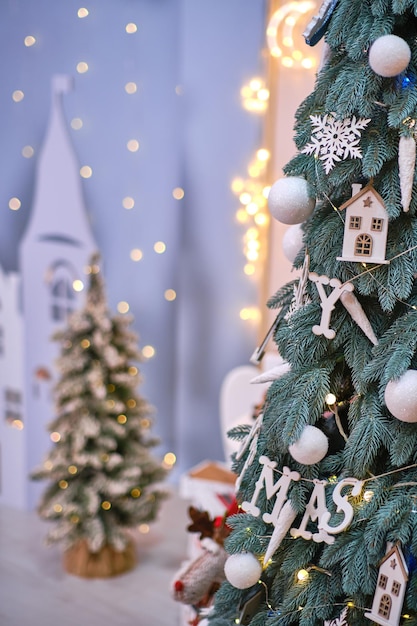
column 366, row 226
column 390, row 590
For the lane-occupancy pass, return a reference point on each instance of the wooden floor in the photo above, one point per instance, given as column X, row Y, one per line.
column 35, row 590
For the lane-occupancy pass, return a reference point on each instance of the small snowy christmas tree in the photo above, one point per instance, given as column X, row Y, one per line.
column 327, row 486
column 101, row 471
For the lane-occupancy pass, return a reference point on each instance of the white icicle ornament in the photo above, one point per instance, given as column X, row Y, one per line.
column 406, row 165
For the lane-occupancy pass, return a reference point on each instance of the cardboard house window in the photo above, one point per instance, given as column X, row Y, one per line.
column 62, row 296
column 383, row 581
column 396, row 588
column 13, row 405
column 363, row 245
column 385, row 606
column 377, row 224
column 355, row 222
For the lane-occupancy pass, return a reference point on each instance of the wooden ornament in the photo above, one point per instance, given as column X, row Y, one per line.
column 107, row 562
column 366, row 227
column 406, row 165
column 390, row 589
column 327, row 301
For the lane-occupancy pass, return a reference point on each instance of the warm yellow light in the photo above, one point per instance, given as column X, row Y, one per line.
column 237, row 185
column 128, row 202
column 106, row 505
column 86, row 171
column 297, row 55
column 159, row 247
column 48, row 465
column 308, row 63
column 74, row 519
column 148, row 352
column 368, row 495
column 82, row 67
column 242, row 216
column 18, row 95
column 18, row 424
column 132, row 370
column 135, row 492
column 263, row 94
column 29, row 41
column 123, row 307
column 144, row 529
column 14, row 204
column 136, row 254
column 252, row 208
column 290, row 20
column 105, row 457
column 263, row 154
column 245, row 198
column 131, row 403
column 170, row 459
column 249, row 269
column 27, row 152
column 178, row 193
column 288, row 42
column 55, row 437
column 252, row 233
column 78, row 285
column 249, row 313
column 82, row 12
column 287, row 61
column 170, row 295
column 122, row 419
column 76, row 123
column 131, row 88
column 302, row 575
column 111, row 388
column 85, row 343
column 276, row 52
column 252, row 255
column 266, row 190
column 72, row 469
column 131, row 28
column 260, row 219
column 330, row 399
column 63, row 484
column 253, row 244
column 255, row 84
column 57, row 508
column 133, row 145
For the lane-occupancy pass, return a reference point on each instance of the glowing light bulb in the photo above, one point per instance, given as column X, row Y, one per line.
column 131, row 28
column 159, row 247
column 178, row 193
column 368, row 495
column 28, row 152
column 133, row 145
column 136, row 254
column 76, row 123
column 128, row 203
column 303, row 575
column 82, row 67
column 330, row 399
column 86, row 171
column 123, row 307
column 131, row 88
column 170, row 295
column 78, row 285
column 18, row 95
column 30, row 41
column 82, row 12
column 148, row 352
column 55, row 437
column 14, row 204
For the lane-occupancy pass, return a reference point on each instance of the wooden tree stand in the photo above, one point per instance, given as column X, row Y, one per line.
column 80, row 561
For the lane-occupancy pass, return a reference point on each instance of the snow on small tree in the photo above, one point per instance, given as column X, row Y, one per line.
column 102, row 475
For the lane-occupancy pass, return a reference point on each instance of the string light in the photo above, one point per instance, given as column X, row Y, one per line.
column 280, row 34
column 169, row 460
column 14, row 204
column 136, row 254
column 255, row 96
column 148, row 352
column 18, row 95
column 303, row 575
column 123, row 307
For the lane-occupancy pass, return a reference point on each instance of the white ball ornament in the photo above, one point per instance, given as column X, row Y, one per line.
column 311, row 447
column 292, row 242
column 242, row 570
column 290, row 201
column 389, row 55
column 401, row 397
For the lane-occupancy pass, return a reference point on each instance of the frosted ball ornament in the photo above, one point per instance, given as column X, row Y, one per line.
column 311, row 447
column 401, row 397
column 290, row 201
column 292, row 242
column 242, row 570
column 389, row 55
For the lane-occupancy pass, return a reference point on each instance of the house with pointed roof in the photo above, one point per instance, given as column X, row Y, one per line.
column 366, row 226
column 34, row 304
column 390, row 590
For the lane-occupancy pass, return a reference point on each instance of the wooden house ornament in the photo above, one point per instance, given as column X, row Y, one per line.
column 390, row 590
column 366, row 226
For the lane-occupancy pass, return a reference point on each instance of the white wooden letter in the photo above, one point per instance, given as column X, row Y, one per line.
column 315, row 510
column 327, row 301
column 342, row 505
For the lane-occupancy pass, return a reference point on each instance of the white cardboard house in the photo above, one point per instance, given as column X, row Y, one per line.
column 390, row 589
column 35, row 302
column 366, row 226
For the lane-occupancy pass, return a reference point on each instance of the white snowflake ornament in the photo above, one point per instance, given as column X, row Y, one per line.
column 335, row 140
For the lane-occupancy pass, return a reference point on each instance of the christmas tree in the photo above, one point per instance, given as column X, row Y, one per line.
column 102, row 476
column 327, row 475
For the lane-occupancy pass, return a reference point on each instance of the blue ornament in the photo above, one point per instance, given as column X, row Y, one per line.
column 410, row 559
